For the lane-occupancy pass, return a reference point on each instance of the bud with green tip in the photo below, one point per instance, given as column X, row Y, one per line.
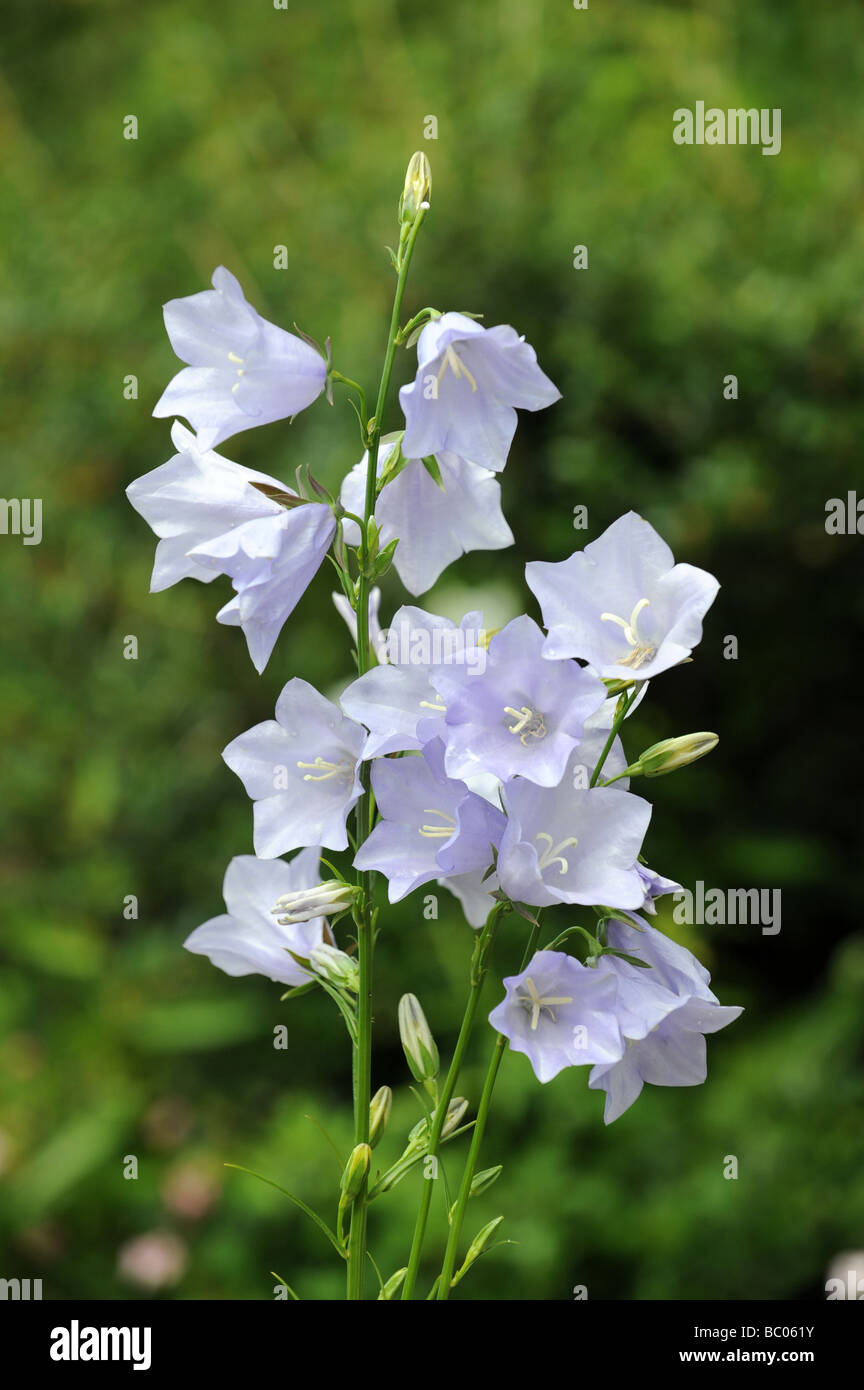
column 418, row 1043
column 672, row 753
column 379, row 1114
column 418, row 187
column 355, row 1173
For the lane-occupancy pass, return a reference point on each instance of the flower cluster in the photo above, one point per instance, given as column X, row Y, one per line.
column 489, row 762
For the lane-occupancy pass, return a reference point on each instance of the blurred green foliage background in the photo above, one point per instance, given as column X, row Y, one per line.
column 260, row 127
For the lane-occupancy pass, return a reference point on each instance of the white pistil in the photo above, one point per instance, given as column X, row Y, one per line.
column 552, row 853
column 437, row 832
column 529, row 723
column 325, row 770
column 452, row 360
column 640, row 651
column 536, row 1002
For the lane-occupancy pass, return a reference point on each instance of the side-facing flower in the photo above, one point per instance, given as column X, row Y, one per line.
column 242, row 371
column 212, row 518
column 431, row 825
column 521, row 716
column 469, row 379
column 560, row 1014
column 246, row 940
column 664, row 1012
column 622, row 603
column 565, row 844
column 434, row 524
column 300, row 771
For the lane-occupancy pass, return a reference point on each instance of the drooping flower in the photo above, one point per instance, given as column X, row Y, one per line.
column 560, row 1014
column 397, row 700
column 566, row 844
column 622, row 603
column 469, row 379
column 431, row 827
column 213, row 519
column 521, row 716
column 300, row 771
column 668, row 1050
column 246, row 940
column 242, row 371
column 434, row 524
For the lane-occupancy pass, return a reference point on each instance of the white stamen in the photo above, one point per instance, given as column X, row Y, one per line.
column 452, row 360
column 437, row 832
column 641, row 651
column 552, row 853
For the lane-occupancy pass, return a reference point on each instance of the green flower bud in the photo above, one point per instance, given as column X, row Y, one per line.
column 355, row 1172
column 484, row 1180
column 418, row 1043
column 379, row 1114
column 455, row 1113
column 335, row 967
column 673, row 753
column 393, row 1284
column 480, row 1242
column 418, row 187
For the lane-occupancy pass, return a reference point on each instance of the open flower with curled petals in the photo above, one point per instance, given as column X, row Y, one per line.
column 436, row 520
column 566, row 844
column 301, row 771
column 243, row 371
column 215, row 517
column 622, row 604
column 246, row 940
column 665, row 1012
column 431, row 826
column 522, row 715
column 560, row 1014
column 469, row 381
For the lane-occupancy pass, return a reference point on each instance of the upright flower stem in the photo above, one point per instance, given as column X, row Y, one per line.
column 364, row 812
column 445, row 1278
column 621, row 715
column 478, row 974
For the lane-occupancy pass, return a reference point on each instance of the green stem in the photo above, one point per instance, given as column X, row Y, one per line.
column 616, row 725
column 445, row 1278
column 478, row 974
column 364, row 812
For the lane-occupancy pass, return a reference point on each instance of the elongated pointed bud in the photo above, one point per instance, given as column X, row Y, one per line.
column 673, row 753
column 455, row 1114
column 418, row 187
column 480, row 1243
column 393, row 1285
column 379, row 1114
column 418, row 1043
column 482, row 1181
column 355, row 1172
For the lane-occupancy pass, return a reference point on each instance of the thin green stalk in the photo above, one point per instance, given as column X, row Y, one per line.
column 364, row 812
column 445, row 1278
column 616, row 725
column 478, row 974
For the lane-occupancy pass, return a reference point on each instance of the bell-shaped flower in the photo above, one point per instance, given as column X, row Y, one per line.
column 622, row 603
column 212, row 518
column 435, row 522
column 566, row 844
column 520, row 716
column 469, row 379
column 431, row 826
column 246, row 940
column 560, row 1014
column 665, row 1013
column 300, row 771
column 242, row 371
column 397, row 700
